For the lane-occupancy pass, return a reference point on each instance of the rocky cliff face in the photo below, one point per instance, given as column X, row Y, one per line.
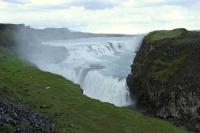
column 165, row 76
column 7, row 34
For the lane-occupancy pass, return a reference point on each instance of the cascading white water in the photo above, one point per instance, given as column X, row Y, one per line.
column 100, row 65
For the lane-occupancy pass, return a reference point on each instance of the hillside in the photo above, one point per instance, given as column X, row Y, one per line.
column 165, row 76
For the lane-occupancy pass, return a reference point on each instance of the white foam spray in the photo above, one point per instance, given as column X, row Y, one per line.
column 100, row 65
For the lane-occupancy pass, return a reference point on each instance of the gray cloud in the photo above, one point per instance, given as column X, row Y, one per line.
column 94, row 4
column 134, row 16
column 16, row 1
column 87, row 4
column 185, row 3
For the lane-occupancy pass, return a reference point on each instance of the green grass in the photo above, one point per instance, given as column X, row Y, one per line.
column 62, row 100
column 156, row 36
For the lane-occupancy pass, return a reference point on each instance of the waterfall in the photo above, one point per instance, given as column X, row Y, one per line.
column 100, row 65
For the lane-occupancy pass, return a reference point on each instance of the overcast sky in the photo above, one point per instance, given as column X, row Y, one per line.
column 103, row 16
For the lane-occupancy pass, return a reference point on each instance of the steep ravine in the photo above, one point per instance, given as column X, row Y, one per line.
column 165, row 76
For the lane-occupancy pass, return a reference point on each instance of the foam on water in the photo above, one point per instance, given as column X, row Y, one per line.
column 100, row 65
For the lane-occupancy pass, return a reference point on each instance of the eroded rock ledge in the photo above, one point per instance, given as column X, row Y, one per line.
column 165, row 76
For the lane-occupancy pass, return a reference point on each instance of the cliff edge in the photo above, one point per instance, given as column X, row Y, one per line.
column 165, row 77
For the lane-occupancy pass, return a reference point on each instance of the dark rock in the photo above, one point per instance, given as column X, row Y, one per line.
column 43, row 106
column 23, row 119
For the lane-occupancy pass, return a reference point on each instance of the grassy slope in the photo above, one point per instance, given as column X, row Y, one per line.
column 69, row 109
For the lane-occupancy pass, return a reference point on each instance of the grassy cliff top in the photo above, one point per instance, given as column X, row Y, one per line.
column 168, row 54
column 161, row 35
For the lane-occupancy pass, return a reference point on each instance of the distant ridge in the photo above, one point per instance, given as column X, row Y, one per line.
column 54, row 33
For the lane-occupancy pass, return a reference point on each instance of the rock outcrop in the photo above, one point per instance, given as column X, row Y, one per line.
column 19, row 118
column 165, row 76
